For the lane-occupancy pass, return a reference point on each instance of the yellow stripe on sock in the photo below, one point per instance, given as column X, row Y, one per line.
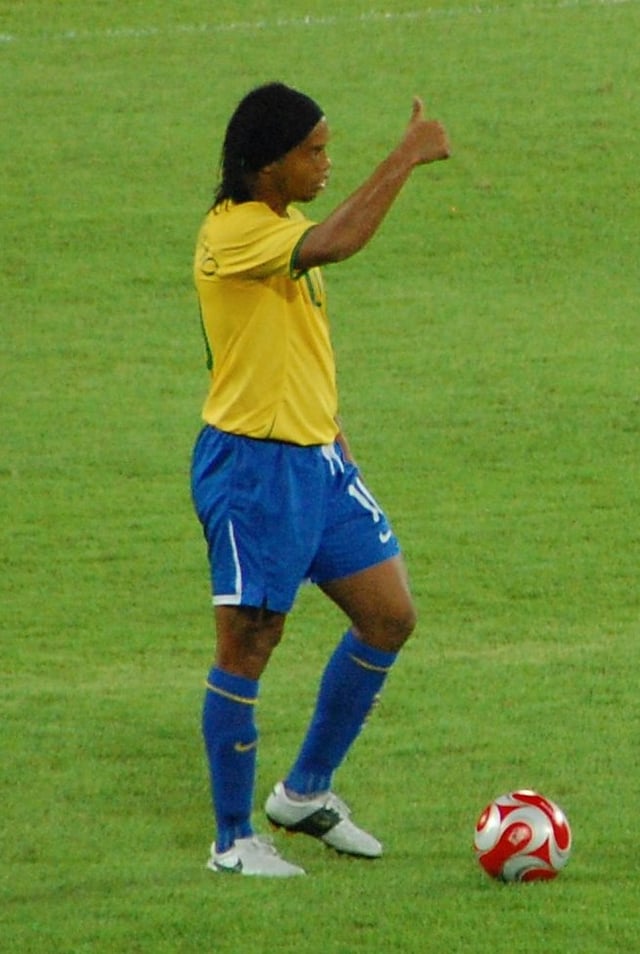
column 230, row 695
column 367, row 665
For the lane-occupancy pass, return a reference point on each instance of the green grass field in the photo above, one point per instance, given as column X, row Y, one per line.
column 488, row 352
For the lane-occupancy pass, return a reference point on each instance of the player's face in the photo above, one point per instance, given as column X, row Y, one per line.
column 304, row 171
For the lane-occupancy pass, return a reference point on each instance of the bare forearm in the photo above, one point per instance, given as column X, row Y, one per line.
column 354, row 222
column 350, row 226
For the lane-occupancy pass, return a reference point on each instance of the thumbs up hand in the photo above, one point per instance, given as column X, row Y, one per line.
column 426, row 138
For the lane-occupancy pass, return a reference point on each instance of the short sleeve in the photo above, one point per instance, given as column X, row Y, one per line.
column 254, row 242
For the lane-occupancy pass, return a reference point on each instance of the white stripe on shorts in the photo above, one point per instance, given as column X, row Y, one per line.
column 231, row 599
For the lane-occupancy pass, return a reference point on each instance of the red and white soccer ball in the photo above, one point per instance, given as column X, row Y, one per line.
column 522, row 836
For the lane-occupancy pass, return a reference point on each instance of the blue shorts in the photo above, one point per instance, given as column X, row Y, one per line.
column 276, row 514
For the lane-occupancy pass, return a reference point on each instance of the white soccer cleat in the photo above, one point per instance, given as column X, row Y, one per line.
column 325, row 817
column 252, row 856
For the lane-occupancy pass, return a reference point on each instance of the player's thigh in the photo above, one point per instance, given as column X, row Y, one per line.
column 378, row 602
column 261, row 505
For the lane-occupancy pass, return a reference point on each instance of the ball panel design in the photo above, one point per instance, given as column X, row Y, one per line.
column 522, row 836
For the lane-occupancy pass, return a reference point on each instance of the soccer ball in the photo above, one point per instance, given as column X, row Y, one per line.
column 522, row 836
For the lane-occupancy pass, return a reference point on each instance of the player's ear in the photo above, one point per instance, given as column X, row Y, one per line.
column 270, row 166
column 263, row 173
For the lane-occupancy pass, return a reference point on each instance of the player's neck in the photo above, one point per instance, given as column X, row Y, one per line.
column 266, row 189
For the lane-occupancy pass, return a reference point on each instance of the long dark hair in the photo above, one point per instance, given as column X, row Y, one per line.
column 266, row 124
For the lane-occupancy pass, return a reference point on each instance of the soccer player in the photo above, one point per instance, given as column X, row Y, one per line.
column 274, row 485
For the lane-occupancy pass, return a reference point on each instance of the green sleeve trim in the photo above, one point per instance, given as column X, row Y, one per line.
column 294, row 271
column 207, row 346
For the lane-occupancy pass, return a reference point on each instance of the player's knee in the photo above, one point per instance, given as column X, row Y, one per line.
column 262, row 638
column 405, row 622
column 246, row 639
column 391, row 629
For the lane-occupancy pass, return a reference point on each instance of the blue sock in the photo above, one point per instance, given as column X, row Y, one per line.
column 231, row 740
column 350, row 684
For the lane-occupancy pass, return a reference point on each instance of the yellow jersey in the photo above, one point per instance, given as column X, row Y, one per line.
column 266, row 328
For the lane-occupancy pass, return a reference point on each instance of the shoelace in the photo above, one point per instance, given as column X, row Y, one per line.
column 265, row 844
column 333, row 801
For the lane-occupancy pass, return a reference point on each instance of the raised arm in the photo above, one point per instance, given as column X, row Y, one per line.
column 350, row 226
